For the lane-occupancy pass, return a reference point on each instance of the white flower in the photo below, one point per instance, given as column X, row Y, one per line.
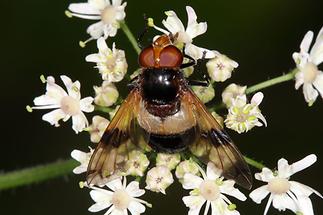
column 67, row 104
column 220, row 67
column 119, row 198
column 96, row 129
column 106, row 95
column 231, row 92
column 109, row 14
column 210, row 190
column 158, row 179
column 137, row 163
column 185, row 36
column 307, row 63
column 83, row 158
column 168, row 160
column 286, row 194
column 187, row 166
column 242, row 116
column 205, row 94
column 112, row 64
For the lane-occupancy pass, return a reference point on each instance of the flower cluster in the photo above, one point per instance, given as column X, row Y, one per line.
column 159, row 170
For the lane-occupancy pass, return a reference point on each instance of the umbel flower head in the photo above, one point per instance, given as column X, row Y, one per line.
column 96, row 129
column 112, row 64
column 210, row 189
column 231, row 92
column 242, row 116
column 307, row 62
column 120, row 198
column 106, row 95
column 220, row 67
column 83, row 158
column 186, row 35
column 66, row 104
column 109, row 13
column 284, row 193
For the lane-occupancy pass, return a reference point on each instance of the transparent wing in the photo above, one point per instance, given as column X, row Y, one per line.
column 214, row 145
column 121, row 136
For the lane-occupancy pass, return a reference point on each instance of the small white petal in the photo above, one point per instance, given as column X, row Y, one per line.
column 283, row 201
column 136, row 208
column 194, row 203
column 86, row 104
column 299, row 77
column 133, row 189
column 305, row 205
column 78, row 155
column 198, row 52
column 79, row 122
column 99, row 206
column 212, row 171
column 191, row 181
column 194, row 29
column 318, row 83
column 257, row 98
column 284, row 170
column 115, row 184
column 310, row 93
column 54, row 116
column 266, row 175
column 173, row 23
column 102, row 45
column 83, row 8
column 301, row 189
column 73, row 89
column 316, row 53
column 306, row 42
column 228, row 188
column 95, row 58
column 304, row 163
column 259, row 194
column 96, row 30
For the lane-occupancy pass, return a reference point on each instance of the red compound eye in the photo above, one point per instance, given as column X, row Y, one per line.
column 146, row 57
column 170, row 56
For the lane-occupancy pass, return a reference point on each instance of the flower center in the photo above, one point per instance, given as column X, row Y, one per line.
column 209, row 190
column 310, row 72
column 278, row 185
column 242, row 117
column 120, row 199
column 70, row 106
column 108, row 14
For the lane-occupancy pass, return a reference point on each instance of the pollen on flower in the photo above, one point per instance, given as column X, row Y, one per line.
column 232, row 207
column 278, row 185
column 82, row 44
column 29, row 109
column 68, row 14
column 42, row 79
column 70, row 106
column 209, row 190
column 120, row 199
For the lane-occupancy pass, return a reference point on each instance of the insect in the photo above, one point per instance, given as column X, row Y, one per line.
column 163, row 114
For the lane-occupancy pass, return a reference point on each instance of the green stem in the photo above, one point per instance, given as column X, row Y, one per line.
column 130, row 36
column 36, row 174
column 254, row 163
column 287, row 77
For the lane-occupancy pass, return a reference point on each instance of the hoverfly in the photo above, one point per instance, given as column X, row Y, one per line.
column 163, row 114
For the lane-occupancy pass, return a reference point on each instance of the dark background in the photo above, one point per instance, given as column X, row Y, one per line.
column 37, row 38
